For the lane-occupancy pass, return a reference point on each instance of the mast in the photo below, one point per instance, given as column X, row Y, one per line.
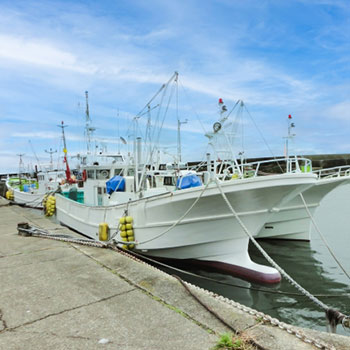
column 20, row 166
column 51, row 152
column 179, row 122
column 88, row 129
column 289, row 137
column 220, row 139
column 68, row 173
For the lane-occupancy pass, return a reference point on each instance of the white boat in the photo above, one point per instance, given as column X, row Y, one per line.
column 293, row 221
column 192, row 224
column 31, row 192
column 208, row 233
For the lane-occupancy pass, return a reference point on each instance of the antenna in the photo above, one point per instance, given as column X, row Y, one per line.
column 290, row 136
column 88, row 129
column 179, row 138
column 51, row 152
column 36, row 157
column 62, row 126
column 118, row 130
column 20, row 166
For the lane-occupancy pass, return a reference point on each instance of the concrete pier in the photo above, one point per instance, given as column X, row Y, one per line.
column 57, row 295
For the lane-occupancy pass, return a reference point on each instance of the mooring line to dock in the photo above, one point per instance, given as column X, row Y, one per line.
column 322, row 236
column 334, row 317
column 257, row 314
column 262, row 317
column 25, row 229
column 178, row 221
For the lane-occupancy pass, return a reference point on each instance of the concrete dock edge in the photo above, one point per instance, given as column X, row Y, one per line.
column 57, row 295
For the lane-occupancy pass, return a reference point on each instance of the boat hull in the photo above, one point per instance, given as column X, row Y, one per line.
column 29, row 199
column 208, row 233
column 292, row 221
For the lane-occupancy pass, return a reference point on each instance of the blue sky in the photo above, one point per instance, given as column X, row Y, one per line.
column 279, row 57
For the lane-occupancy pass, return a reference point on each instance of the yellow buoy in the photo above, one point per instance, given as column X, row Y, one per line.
column 130, row 232
column 103, row 231
column 131, row 238
column 122, row 227
column 128, row 226
column 122, row 220
column 123, row 233
column 128, row 219
column 9, row 195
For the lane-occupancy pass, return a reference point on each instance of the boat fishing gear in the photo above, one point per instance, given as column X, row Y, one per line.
column 9, row 195
column 103, row 232
column 50, row 205
column 127, row 232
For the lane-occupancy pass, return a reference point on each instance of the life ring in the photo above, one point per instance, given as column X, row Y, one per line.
column 104, row 174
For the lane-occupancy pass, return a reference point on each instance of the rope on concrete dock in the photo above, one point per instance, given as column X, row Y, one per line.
column 340, row 319
column 25, row 229
column 222, row 320
column 267, row 318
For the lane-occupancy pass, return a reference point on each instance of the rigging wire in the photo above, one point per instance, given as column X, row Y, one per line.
column 195, row 113
column 322, row 236
column 262, row 136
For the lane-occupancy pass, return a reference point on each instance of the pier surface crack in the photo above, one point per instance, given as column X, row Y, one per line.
column 6, row 328
column 3, row 325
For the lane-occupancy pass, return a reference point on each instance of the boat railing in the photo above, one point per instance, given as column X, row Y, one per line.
column 338, row 171
column 273, row 166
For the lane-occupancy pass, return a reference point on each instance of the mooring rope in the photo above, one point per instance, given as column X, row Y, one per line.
column 177, row 222
column 24, row 229
column 332, row 315
column 322, row 236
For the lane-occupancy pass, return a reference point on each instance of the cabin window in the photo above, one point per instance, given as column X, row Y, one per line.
column 131, row 172
column 168, row 181
column 118, row 172
column 99, row 190
column 102, row 174
column 91, row 174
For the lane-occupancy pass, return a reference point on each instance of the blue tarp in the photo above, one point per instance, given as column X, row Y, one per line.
column 188, row 182
column 116, row 183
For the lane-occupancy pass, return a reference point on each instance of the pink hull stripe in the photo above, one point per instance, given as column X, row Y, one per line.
column 233, row 270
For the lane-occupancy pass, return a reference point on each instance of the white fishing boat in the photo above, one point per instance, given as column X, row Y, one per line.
column 32, row 191
column 191, row 222
column 293, row 221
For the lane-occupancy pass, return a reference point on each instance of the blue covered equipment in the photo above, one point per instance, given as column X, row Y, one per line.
column 188, row 181
column 116, row 183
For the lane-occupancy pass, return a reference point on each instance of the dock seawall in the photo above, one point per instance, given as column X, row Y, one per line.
column 58, row 295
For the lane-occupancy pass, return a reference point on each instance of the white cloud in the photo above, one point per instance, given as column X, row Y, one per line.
column 39, row 52
column 340, row 111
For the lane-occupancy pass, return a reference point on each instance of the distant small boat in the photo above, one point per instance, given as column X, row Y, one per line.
column 31, row 192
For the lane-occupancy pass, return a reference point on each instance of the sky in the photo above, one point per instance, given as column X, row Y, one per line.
column 279, row 57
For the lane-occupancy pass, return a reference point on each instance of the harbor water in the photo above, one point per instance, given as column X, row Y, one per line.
column 308, row 263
